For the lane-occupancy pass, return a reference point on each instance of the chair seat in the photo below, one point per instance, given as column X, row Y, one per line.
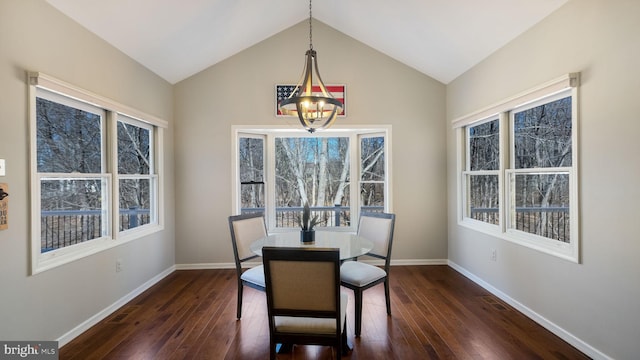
column 255, row 275
column 360, row 274
column 291, row 324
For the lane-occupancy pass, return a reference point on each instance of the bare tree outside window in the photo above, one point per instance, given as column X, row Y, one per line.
column 542, row 157
column 313, row 170
column 134, row 168
column 251, row 168
column 482, row 175
column 310, row 169
column 372, row 174
column 69, row 157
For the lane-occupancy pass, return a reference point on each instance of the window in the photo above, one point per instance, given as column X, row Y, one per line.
column 251, row 173
column 71, row 171
column 482, row 172
column 539, row 177
column 278, row 171
column 86, row 197
column 373, row 177
column 518, row 174
column 137, row 182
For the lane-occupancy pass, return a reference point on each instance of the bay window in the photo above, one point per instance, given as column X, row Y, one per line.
column 277, row 171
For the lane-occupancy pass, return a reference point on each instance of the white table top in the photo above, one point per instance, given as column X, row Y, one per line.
column 350, row 245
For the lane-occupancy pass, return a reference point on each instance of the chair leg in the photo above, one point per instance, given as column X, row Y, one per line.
column 239, row 305
column 346, row 347
column 386, row 295
column 358, row 299
column 272, row 350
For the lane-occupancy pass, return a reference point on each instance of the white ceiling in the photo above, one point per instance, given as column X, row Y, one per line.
column 175, row 38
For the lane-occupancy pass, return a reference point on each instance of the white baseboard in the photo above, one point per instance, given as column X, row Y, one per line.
column 541, row 320
column 84, row 326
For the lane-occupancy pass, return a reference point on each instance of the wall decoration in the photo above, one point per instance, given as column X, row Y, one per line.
column 338, row 91
column 4, row 206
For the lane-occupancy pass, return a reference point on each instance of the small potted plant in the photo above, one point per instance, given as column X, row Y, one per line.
column 307, row 223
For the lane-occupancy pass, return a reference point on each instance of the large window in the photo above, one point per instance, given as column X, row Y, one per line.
column 518, row 173
column 95, row 181
column 279, row 171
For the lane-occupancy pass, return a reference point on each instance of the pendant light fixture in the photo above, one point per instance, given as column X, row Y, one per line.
column 312, row 103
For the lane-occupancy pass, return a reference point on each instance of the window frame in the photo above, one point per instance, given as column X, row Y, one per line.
column 152, row 177
column 45, row 86
column 269, row 134
column 467, row 173
column 566, row 86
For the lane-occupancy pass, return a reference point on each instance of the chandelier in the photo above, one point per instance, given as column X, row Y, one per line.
column 312, row 103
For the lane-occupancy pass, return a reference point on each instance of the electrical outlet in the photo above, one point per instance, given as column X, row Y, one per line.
column 118, row 265
column 3, row 170
column 494, row 255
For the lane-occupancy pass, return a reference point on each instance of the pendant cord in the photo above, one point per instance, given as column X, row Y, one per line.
column 310, row 36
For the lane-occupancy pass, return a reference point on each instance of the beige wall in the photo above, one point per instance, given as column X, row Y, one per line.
column 240, row 91
column 36, row 37
column 595, row 301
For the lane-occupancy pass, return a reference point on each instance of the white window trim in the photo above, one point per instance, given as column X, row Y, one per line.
column 273, row 131
column 41, row 262
column 543, row 93
column 547, row 89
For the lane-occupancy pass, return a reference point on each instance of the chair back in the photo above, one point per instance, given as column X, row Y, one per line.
column 302, row 282
column 303, row 295
column 245, row 229
column 378, row 227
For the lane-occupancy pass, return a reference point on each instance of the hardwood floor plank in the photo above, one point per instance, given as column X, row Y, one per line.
column 436, row 314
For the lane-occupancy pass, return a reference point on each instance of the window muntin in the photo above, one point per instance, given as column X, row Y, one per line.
column 75, row 174
column 539, row 172
column 293, row 164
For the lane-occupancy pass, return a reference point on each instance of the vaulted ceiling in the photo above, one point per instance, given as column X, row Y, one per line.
column 440, row 38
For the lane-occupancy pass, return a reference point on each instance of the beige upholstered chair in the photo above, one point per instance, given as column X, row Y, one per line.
column 358, row 276
column 304, row 301
column 245, row 229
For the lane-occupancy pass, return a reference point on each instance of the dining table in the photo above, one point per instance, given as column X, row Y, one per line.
column 351, row 245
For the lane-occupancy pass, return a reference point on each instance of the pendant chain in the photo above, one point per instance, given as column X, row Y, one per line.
column 310, row 36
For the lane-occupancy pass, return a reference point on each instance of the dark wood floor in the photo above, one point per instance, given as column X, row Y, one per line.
column 436, row 314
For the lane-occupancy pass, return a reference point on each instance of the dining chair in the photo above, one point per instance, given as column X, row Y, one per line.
column 359, row 276
column 245, row 229
column 304, row 303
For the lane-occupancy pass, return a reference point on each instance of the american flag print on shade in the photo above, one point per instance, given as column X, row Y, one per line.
column 338, row 92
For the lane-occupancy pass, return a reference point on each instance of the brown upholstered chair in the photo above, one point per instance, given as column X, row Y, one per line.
column 245, row 229
column 304, row 301
column 358, row 276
